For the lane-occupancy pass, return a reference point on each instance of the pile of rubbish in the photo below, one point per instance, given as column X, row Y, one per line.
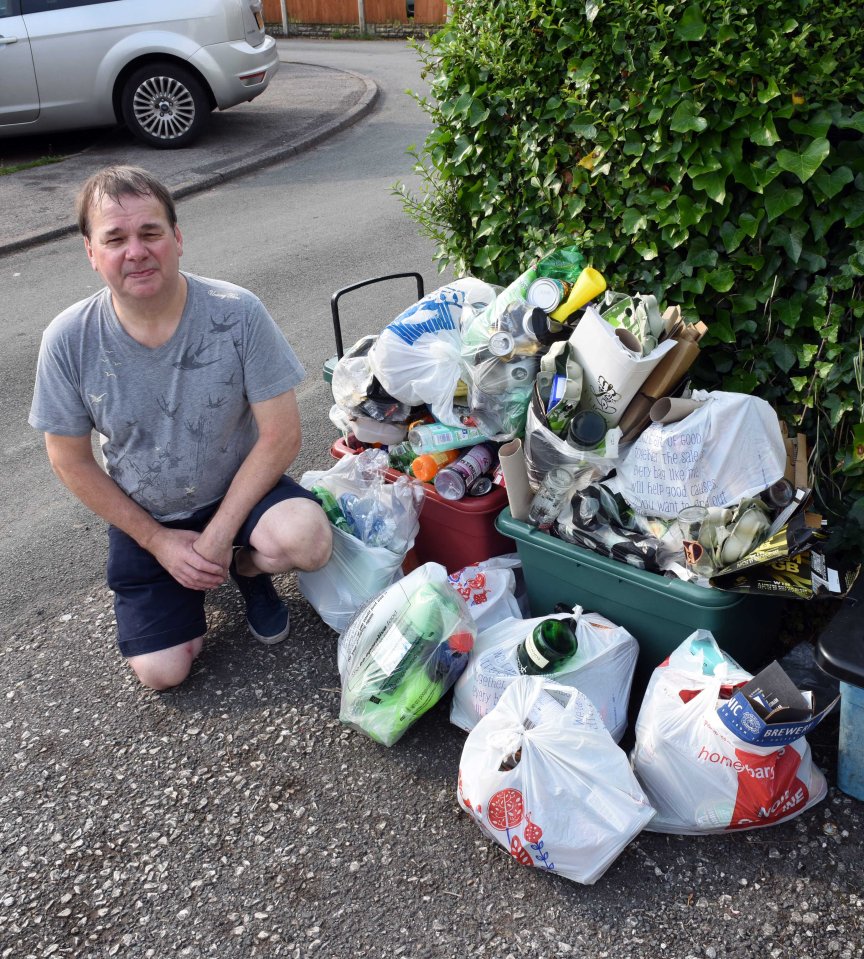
column 576, row 399
column 545, row 704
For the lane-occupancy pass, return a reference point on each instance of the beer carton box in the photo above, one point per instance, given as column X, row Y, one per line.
column 770, row 710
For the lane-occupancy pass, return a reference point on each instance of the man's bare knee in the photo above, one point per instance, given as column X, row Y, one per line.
column 294, row 534
column 166, row 668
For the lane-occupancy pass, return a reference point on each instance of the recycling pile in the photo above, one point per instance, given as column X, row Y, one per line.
column 623, row 456
column 590, row 387
column 545, row 700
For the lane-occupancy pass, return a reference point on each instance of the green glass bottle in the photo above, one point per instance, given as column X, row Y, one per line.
column 401, row 456
column 547, row 646
column 331, row 508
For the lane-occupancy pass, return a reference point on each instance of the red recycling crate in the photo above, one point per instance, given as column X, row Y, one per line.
column 454, row 533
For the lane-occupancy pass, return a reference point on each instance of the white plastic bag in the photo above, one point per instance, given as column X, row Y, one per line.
column 544, row 451
column 353, row 573
column 602, row 669
column 370, row 559
column 402, row 653
column 698, row 775
column 728, row 449
column 417, row 357
column 489, row 589
column 569, row 804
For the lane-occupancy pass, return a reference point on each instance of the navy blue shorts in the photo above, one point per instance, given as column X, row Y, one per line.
column 153, row 610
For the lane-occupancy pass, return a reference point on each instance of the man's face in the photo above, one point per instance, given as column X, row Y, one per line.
column 134, row 249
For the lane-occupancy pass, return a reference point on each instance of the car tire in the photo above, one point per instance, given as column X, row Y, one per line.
column 165, row 106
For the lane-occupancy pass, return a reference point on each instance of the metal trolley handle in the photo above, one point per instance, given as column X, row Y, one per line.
column 334, row 301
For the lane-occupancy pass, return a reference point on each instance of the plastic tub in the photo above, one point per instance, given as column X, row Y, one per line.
column 454, row 533
column 660, row 612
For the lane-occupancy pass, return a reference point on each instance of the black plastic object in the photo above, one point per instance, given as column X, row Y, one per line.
column 840, row 648
column 334, row 300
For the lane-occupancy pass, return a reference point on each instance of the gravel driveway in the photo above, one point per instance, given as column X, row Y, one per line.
column 236, row 817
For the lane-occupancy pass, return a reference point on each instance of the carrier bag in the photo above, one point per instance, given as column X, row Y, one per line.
column 402, row 653
column 698, row 772
column 489, row 588
column 417, row 357
column 375, row 523
column 728, row 449
column 541, row 776
column 602, row 668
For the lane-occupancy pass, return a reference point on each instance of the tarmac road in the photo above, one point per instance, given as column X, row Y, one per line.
column 236, row 816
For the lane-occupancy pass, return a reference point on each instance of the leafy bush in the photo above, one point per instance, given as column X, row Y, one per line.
column 712, row 154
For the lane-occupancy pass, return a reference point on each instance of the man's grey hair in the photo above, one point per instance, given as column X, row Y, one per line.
column 115, row 182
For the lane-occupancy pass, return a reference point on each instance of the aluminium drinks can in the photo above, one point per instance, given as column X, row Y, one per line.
column 547, row 293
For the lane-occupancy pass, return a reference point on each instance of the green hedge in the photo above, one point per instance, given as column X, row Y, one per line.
column 712, row 154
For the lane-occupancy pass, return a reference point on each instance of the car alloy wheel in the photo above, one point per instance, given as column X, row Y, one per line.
column 165, row 105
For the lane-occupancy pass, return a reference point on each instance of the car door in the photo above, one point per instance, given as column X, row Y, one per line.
column 19, row 95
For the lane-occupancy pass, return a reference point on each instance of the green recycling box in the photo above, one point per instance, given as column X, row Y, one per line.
column 659, row 611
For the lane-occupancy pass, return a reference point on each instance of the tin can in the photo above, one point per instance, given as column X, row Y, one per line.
column 547, row 293
column 501, row 344
column 480, row 486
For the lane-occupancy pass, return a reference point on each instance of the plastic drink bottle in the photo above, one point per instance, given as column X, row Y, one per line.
column 420, row 625
column 549, row 499
column 401, row 456
column 437, row 436
column 427, row 465
column 331, row 508
column 426, row 684
column 453, row 481
column 547, row 646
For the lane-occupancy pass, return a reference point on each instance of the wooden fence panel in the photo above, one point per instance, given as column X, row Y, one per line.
column 345, row 11
column 430, row 11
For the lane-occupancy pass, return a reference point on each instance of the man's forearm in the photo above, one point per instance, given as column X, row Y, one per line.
column 100, row 494
column 258, row 474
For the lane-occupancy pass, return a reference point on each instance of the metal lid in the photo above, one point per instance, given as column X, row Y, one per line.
column 545, row 293
column 501, row 344
column 480, row 486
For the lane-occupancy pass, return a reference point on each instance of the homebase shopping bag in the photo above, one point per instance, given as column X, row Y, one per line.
column 699, row 775
column 602, row 668
column 542, row 777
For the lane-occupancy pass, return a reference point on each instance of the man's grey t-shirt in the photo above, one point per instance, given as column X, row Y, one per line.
column 177, row 419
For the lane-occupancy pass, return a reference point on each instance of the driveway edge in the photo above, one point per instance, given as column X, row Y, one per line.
column 265, row 156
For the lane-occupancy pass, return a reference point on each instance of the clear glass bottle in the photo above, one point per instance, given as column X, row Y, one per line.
column 549, row 499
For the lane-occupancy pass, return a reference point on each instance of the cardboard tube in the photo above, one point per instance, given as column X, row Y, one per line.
column 629, row 341
column 511, row 456
column 672, row 410
column 661, row 382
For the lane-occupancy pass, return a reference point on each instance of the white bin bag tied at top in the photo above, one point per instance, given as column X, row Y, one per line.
column 417, row 357
column 697, row 773
column 602, row 669
column 728, row 449
column 541, row 776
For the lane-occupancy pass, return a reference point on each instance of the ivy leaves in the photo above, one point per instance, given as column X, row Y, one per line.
column 803, row 163
column 712, row 154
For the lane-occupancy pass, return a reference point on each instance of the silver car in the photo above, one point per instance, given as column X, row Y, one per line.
column 159, row 66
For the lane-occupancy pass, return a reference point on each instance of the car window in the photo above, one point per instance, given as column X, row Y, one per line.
column 9, row 8
column 42, row 6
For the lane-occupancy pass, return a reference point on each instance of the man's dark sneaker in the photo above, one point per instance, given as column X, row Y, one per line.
column 266, row 614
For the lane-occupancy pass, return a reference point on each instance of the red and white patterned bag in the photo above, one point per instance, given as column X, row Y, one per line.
column 543, row 778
